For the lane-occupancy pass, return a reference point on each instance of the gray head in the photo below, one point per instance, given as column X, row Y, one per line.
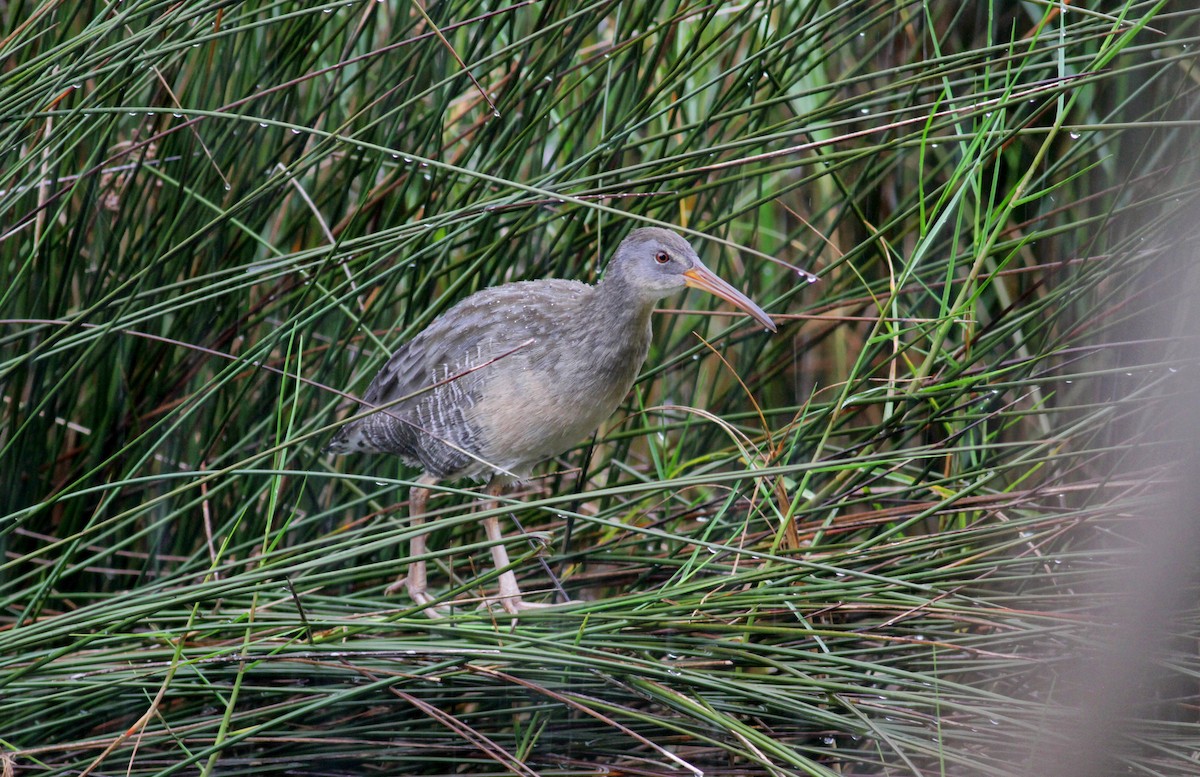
column 654, row 262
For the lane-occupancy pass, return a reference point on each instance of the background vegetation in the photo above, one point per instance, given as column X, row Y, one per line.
column 887, row 540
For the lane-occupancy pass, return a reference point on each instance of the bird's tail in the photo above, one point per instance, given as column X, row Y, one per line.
column 341, row 442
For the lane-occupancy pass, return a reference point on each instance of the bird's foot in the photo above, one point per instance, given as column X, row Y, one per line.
column 396, row 585
column 510, row 598
column 513, row 605
column 421, row 597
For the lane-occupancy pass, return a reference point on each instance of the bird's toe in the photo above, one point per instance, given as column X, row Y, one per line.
column 514, row 605
column 421, row 597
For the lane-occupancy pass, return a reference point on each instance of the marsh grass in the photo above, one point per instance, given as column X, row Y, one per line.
column 869, row 544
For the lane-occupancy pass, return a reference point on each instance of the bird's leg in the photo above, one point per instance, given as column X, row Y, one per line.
column 414, row 579
column 510, row 593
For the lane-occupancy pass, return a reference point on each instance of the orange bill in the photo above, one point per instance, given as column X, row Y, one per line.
column 700, row 277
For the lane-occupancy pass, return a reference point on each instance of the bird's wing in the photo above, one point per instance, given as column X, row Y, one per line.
column 497, row 323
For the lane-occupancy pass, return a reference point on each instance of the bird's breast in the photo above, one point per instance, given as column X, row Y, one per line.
column 548, row 397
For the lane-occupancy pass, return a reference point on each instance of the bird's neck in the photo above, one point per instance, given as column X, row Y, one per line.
column 618, row 306
column 619, row 312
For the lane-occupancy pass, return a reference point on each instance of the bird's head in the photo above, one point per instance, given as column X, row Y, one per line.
column 654, row 263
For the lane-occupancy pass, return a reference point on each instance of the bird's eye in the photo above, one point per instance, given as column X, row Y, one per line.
column 662, row 257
